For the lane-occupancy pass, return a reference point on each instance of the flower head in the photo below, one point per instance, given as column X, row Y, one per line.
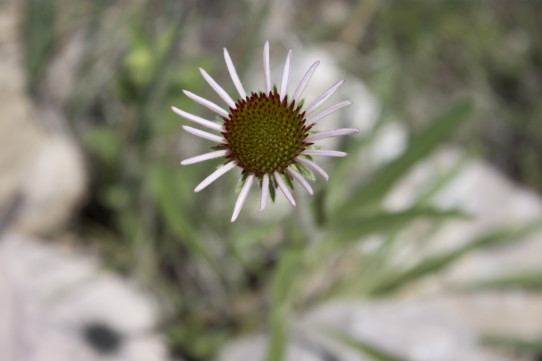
column 268, row 134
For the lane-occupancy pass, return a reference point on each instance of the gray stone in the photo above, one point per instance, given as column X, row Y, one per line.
column 56, row 304
column 413, row 330
column 42, row 177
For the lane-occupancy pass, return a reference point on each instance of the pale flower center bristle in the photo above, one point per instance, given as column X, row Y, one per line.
column 265, row 134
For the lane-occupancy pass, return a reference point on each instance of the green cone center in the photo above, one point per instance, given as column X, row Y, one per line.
column 265, row 134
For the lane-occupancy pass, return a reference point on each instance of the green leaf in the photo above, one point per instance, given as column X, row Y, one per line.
column 197, row 341
column 248, row 237
column 365, row 348
column 287, row 180
column 440, row 262
column 421, row 145
column 442, row 181
column 164, row 189
column 240, row 183
column 305, row 172
column 528, row 280
column 353, row 229
column 104, row 143
column 38, row 32
column 272, row 188
column 530, row 346
column 281, row 288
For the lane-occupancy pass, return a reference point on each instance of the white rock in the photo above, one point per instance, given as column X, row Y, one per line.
column 50, row 295
column 42, row 177
column 52, row 186
column 492, row 201
column 413, row 330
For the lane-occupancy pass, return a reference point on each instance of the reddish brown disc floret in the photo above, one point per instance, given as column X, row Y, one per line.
column 264, row 134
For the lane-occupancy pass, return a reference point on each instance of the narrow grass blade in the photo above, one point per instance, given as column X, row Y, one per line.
column 164, row 189
column 528, row 280
column 440, row 262
column 281, row 288
column 528, row 346
column 421, row 145
column 353, row 229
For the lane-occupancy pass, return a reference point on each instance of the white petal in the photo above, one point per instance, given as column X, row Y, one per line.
column 322, row 98
column 324, row 152
column 328, row 111
column 285, row 75
column 266, row 72
column 265, row 191
column 206, row 103
column 203, row 157
column 204, row 122
column 284, row 188
column 217, row 88
column 301, row 180
column 215, row 175
column 242, row 197
column 332, row 133
column 204, row 135
column 315, row 167
column 304, row 81
column 233, row 74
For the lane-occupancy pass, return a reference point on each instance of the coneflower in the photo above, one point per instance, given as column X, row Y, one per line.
column 268, row 134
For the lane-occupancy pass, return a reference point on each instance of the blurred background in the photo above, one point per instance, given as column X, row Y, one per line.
column 425, row 244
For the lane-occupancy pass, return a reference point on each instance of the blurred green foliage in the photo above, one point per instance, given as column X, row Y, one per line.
column 489, row 50
column 216, row 280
